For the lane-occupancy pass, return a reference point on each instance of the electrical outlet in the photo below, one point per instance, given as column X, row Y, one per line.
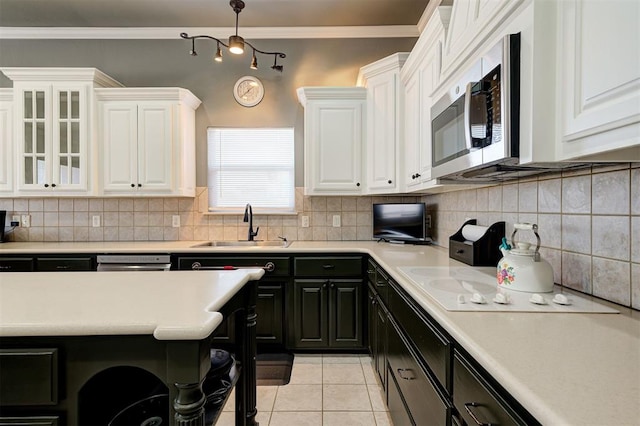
column 428, row 221
column 175, row 221
column 336, row 221
column 25, row 221
column 95, row 221
column 305, row 221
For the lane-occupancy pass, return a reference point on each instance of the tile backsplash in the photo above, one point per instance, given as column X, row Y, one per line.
column 589, row 222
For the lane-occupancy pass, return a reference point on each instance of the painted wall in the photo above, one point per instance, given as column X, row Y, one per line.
column 167, row 63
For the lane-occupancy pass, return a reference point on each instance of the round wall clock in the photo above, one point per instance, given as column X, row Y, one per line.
column 248, row 91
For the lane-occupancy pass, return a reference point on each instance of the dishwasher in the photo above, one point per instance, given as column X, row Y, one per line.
column 126, row 262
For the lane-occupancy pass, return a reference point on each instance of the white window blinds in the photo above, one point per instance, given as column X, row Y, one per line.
column 251, row 166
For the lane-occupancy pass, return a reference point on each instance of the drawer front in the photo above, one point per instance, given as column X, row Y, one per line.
column 281, row 263
column 431, row 344
column 371, row 271
column 382, row 285
column 64, row 264
column 30, row 421
column 28, row 377
column 397, row 410
column 16, row 264
column 423, row 401
column 472, row 397
column 461, row 251
column 350, row 266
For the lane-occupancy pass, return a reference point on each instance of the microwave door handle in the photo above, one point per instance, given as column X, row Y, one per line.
column 467, row 116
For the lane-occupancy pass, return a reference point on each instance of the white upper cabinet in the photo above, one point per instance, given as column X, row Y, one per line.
column 147, row 141
column 54, row 128
column 333, row 137
column 472, row 22
column 599, row 72
column 420, row 76
column 6, row 141
column 385, row 98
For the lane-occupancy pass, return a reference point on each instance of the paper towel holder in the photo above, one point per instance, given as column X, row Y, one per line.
column 484, row 251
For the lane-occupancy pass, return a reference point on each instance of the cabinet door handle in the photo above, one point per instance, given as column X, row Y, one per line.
column 370, row 271
column 133, row 185
column 459, row 251
column 53, row 185
column 413, row 176
column 418, row 175
column 358, row 184
column 328, row 267
column 332, row 285
column 139, row 185
column 468, row 406
column 389, row 181
column 401, row 372
column 62, row 267
column 46, row 185
column 5, row 268
column 324, row 285
column 381, row 283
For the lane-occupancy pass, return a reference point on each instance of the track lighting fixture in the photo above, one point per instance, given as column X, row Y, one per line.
column 236, row 43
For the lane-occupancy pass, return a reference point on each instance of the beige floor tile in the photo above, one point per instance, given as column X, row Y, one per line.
column 377, row 398
column 382, row 418
column 299, row 398
column 231, row 402
column 306, row 374
column 348, row 418
column 296, row 418
column 366, row 359
column 347, row 374
column 307, row 359
column 226, row 419
column 370, row 375
column 345, row 398
column 341, row 359
column 263, row 418
column 266, row 396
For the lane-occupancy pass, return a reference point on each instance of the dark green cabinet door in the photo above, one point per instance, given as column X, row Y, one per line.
column 310, row 311
column 270, row 314
column 380, row 349
column 371, row 319
column 345, row 314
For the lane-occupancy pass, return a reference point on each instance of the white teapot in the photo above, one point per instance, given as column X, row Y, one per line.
column 522, row 268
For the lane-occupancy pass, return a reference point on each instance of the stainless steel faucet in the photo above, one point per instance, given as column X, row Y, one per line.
column 248, row 217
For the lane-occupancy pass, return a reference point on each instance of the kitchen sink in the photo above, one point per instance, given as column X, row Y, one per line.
column 242, row 243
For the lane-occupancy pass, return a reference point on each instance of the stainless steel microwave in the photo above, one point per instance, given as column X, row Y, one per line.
column 476, row 123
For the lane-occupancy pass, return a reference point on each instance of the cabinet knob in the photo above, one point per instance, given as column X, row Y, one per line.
column 53, row 185
column 358, row 184
column 333, row 285
column 133, row 185
column 46, row 185
column 413, row 176
column 418, row 175
column 139, row 185
column 389, row 181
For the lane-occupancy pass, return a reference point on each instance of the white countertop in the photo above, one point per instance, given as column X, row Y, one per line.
column 565, row 368
column 177, row 305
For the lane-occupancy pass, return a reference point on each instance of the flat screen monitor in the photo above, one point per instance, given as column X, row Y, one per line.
column 399, row 222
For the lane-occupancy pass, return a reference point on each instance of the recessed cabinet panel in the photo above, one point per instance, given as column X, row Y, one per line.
column 155, row 143
column 6, row 141
column 119, row 134
column 29, row 376
column 600, row 77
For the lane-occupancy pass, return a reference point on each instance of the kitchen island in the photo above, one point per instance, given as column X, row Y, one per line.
column 59, row 331
column 564, row 368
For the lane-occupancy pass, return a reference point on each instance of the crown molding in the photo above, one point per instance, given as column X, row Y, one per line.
column 6, row 95
column 92, row 75
column 393, row 62
column 168, row 33
column 333, row 93
column 148, row 94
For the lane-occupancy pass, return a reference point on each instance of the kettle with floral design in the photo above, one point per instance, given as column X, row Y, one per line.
column 522, row 268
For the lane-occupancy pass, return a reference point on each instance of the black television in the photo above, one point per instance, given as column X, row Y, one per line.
column 400, row 222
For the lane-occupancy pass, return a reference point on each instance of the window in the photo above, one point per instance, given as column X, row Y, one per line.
column 251, row 166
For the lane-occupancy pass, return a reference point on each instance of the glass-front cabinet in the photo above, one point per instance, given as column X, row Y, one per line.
column 54, row 128
column 53, row 139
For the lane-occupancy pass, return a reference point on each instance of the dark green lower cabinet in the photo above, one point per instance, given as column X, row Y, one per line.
column 30, row 421
column 327, row 314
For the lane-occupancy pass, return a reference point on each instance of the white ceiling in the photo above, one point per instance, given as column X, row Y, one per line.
column 208, row 13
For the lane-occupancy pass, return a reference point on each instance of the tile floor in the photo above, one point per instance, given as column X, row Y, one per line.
column 325, row 390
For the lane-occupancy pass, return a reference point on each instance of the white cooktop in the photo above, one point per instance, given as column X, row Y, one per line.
column 454, row 288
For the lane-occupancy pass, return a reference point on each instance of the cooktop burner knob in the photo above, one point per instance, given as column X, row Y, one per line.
column 479, row 299
column 561, row 299
column 502, row 298
column 461, row 299
column 537, row 299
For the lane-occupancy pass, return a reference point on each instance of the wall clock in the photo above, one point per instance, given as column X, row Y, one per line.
column 248, row 91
